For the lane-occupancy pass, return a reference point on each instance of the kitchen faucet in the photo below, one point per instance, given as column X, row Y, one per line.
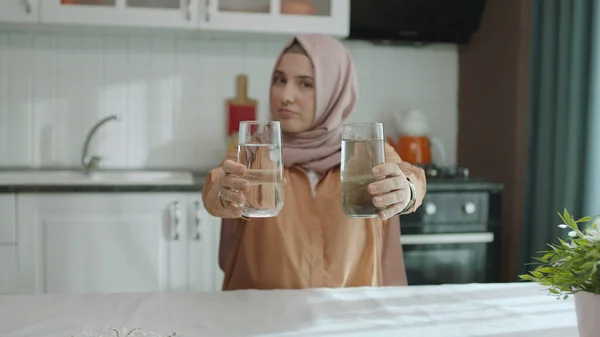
column 91, row 162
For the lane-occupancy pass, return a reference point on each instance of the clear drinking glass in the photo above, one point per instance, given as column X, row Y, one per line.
column 259, row 149
column 363, row 148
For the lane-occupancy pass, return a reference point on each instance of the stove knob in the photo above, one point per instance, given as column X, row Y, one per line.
column 469, row 208
column 430, row 208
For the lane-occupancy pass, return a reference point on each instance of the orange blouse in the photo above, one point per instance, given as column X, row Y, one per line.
column 311, row 243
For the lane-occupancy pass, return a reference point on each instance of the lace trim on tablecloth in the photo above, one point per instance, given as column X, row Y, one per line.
column 123, row 332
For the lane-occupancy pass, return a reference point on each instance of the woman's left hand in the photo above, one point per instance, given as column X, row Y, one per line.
column 391, row 194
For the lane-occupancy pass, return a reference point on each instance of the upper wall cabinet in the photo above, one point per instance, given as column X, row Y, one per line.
column 19, row 11
column 139, row 13
column 329, row 17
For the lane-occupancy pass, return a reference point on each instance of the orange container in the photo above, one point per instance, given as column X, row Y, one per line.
column 415, row 150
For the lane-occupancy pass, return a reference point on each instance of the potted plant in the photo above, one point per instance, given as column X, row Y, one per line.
column 573, row 268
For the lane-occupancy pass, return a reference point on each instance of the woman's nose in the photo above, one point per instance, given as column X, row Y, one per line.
column 288, row 93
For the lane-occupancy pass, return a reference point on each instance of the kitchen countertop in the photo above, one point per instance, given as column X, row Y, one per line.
column 468, row 310
column 99, row 188
column 194, row 185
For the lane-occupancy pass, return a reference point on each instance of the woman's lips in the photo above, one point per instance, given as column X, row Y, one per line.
column 286, row 113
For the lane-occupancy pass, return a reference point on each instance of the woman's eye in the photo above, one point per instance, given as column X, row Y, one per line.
column 306, row 85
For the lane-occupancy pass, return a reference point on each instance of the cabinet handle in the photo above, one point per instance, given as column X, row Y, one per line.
column 207, row 11
column 446, row 239
column 198, row 221
column 27, row 6
column 175, row 221
column 188, row 10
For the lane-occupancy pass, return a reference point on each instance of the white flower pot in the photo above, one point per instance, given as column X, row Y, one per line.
column 587, row 309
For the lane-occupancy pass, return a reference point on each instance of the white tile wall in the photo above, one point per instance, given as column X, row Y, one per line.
column 170, row 93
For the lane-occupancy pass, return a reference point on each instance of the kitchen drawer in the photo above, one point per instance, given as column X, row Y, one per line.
column 454, row 207
column 8, row 269
column 8, row 219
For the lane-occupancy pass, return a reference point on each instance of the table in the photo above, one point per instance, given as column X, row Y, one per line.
column 482, row 310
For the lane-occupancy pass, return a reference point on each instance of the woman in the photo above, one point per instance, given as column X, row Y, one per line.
column 311, row 243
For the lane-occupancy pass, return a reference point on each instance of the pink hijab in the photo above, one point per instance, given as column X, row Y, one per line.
column 336, row 94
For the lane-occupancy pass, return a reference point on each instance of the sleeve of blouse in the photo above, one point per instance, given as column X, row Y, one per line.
column 212, row 186
column 412, row 172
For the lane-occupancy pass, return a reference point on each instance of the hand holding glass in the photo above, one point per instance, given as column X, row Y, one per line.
column 259, row 150
column 363, row 148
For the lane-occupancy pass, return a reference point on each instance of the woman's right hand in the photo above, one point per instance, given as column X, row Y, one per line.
column 233, row 187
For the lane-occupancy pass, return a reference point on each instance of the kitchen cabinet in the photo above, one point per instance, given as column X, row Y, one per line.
column 116, row 242
column 133, row 13
column 8, row 219
column 17, row 11
column 203, row 271
column 8, row 269
column 331, row 17
column 8, row 244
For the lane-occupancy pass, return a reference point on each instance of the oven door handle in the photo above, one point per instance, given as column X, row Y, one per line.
column 441, row 239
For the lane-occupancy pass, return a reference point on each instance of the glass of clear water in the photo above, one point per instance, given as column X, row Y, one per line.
column 259, row 149
column 363, row 148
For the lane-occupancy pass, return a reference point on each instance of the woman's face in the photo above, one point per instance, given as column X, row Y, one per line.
column 293, row 93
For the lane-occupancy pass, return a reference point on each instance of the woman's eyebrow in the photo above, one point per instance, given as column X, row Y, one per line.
column 302, row 77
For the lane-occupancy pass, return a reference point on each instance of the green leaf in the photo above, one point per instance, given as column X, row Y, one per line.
column 563, row 217
column 585, row 219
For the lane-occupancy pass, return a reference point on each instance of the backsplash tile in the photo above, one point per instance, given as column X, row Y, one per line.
column 169, row 94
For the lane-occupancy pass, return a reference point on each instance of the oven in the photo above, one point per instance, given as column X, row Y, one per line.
column 454, row 236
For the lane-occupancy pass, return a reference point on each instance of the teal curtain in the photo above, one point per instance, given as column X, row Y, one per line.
column 592, row 178
column 563, row 110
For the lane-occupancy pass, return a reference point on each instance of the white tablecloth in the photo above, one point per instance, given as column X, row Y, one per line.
column 490, row 310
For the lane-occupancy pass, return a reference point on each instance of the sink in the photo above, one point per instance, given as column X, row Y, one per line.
column 116, row 177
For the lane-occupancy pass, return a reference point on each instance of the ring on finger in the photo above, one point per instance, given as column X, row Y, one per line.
column 229, row 195
column 222, row 199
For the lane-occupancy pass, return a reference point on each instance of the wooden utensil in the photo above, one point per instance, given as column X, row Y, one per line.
column 239, row 108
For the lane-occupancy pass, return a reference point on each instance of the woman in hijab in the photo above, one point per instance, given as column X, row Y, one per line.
column 311, row 242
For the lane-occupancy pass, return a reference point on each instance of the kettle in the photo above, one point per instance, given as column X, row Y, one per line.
column 414, row 144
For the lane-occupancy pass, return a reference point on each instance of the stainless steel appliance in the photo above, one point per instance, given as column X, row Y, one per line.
column 454, row 236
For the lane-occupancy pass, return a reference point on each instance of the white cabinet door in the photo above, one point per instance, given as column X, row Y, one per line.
column 101, row 243
column 19, row 11
column 8, row 269
column 8, row 243
column 8, row 219
column 330, row 17
column 131, row 13
column 204, row 231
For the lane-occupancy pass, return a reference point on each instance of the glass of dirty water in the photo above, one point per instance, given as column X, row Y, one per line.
column 363, row 148
column 259, row 149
